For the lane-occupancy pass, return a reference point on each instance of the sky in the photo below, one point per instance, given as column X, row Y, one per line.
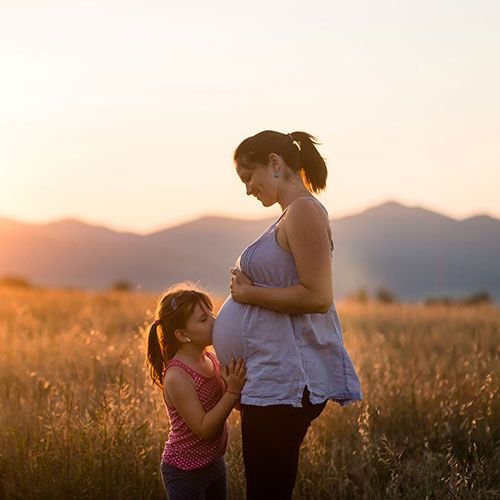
column 126, row 113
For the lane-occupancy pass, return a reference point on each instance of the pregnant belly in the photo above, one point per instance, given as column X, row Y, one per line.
column 229, row 328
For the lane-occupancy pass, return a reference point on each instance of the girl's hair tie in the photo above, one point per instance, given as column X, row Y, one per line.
column 174, row 304
column 156, row 322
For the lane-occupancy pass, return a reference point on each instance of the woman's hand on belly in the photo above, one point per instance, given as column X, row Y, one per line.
column 240, row 284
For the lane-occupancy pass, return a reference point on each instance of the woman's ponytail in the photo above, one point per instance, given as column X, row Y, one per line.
column 312, row 163
column 156, row 361
column 297, row 149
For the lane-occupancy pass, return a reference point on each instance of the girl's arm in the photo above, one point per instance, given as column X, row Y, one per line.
column 306, row 227
column 179, row 387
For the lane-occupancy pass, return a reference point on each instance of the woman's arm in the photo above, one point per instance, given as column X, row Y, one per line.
column 181, row 392
column 306, row 229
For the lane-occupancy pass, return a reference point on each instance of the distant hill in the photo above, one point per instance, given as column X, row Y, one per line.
column 409, row 250
column 416, row 252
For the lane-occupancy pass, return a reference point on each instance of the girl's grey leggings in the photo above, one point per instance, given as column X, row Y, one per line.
column 207, row 483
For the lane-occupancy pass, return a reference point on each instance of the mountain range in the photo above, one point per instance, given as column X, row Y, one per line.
column 412, row 252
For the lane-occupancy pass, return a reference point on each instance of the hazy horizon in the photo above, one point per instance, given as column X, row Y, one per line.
column 204, row 215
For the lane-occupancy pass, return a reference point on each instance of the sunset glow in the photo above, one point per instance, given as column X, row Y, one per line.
column 126, row 114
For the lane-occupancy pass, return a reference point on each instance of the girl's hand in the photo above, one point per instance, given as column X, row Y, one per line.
column 235, row 375
column 240, row 283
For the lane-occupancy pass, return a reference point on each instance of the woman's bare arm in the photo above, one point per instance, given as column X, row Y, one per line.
column 306, row 226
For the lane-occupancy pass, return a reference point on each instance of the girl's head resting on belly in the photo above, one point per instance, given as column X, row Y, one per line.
column 183, row 316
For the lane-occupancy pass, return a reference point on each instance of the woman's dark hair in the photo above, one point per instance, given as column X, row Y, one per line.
column 297, row 149
column 172, row 313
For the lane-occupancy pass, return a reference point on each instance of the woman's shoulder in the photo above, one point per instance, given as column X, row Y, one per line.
column 306, row 219
column 307, row 209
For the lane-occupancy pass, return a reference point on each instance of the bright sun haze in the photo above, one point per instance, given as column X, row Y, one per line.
column 127, row 113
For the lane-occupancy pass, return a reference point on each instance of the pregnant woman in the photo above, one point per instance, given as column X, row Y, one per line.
column 280, row 316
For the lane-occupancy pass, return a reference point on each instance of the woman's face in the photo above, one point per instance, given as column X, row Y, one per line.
column 260, row 182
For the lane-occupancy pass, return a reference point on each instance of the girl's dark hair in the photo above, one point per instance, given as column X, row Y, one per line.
column 297, row 149
column 172, row 313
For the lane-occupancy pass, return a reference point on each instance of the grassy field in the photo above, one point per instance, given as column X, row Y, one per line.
column 80, row 419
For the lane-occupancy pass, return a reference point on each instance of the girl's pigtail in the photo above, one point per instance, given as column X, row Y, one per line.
column 312, row 163
column 155, row 356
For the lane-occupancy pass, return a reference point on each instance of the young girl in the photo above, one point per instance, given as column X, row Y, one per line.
column 198, row 396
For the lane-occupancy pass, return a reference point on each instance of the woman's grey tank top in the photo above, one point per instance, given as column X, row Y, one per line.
column 284, row 352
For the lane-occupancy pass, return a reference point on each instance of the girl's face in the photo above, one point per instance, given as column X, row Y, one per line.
column 261, row 182
column 200, row 324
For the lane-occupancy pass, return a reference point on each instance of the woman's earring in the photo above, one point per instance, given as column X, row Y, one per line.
column 276, row 174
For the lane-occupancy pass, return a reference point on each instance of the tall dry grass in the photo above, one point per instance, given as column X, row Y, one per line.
column 80, row 419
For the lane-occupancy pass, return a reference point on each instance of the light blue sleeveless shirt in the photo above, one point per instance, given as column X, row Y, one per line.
column 283, row 352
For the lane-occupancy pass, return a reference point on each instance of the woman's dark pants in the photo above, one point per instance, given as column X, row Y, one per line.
column 271, row 437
